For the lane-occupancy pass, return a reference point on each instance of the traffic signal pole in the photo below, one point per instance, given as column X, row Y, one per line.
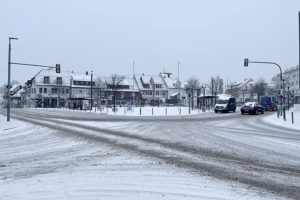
column 57, row 67
column 246, row 63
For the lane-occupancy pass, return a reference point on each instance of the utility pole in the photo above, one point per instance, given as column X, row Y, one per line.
column 91, row 90
column 70, row 92
column 8, row 81
column 212, row 90
column 177, row 84
column 299, row 51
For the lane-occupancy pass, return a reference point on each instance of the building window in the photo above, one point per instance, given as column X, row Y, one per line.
column 46, row 80
column 59, row 81
column 62, row 90
column 67, row 91
column 80, row 91
column 40, row 90
column 54, row 91
column 45, row 90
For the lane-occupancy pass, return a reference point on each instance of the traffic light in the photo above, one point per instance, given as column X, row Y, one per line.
column 246, row 60
column 57, row 68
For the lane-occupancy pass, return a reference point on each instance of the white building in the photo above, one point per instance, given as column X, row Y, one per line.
column 51, row 89
column 175, row 90
column 291, row 82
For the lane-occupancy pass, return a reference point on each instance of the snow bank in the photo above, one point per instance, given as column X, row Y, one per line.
column 273, row 119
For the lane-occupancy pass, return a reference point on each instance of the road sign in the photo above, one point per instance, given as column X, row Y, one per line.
column 254, row 95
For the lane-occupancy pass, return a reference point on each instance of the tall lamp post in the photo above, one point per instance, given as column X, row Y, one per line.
column 8, row 81
column 91, row 90
column 246, row 63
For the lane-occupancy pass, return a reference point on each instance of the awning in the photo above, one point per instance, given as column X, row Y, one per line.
column 175, row 94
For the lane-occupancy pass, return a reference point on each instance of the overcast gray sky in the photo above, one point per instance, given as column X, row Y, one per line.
column 208, row 37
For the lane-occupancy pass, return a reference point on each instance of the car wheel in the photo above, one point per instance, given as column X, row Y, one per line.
column 216, row 111
column 242, row 113
column 256, row 112
column 262, row 112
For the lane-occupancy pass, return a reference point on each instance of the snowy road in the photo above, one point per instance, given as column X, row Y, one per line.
column 208, row 156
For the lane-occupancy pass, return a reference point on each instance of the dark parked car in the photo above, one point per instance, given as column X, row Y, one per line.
column 252, row 108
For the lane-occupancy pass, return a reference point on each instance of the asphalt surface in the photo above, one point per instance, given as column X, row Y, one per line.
column 229, row 146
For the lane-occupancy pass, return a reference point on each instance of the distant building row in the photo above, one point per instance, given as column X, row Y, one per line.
column 75, row 90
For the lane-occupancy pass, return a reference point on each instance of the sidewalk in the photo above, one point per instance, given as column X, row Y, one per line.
column 273, row 119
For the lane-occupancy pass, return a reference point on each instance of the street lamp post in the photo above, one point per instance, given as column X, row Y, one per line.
column 91, row 90
column 8, row 81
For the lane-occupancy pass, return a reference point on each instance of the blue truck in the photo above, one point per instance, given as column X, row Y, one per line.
column 267, row 103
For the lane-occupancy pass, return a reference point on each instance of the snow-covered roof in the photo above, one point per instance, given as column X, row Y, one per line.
column 80, row 77
column 223, row 96
column 39, row 79
column 169, row 79
column 140, row 83
column 146, row 79
column 157, row 80
column 16, row 86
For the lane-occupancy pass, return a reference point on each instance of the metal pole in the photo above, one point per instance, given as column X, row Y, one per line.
column 91, row 90
column 8, row 80
column 8, row 83
column 299, row 51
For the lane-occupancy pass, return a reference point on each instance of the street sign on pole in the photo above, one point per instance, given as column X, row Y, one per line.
column 255, row 96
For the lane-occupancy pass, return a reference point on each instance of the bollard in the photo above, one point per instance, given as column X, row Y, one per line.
column 277, row 113
column 152, row 111
column 292, row 117
column 124, row 111
column 140, row 110
column 166, row 111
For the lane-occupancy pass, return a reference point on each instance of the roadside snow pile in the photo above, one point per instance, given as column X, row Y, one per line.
column 154, row 111
column 273, row 119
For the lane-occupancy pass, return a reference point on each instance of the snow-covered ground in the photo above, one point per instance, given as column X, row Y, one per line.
column 274, row 120
column 41, row 163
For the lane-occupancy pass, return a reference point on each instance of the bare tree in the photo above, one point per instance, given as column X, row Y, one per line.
column 233, row 89
column 99, row 85
column 215, row 85
column 3, row 88
column 113, row 83
column 259, row 87
column 57, row 91
column 190, row 87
